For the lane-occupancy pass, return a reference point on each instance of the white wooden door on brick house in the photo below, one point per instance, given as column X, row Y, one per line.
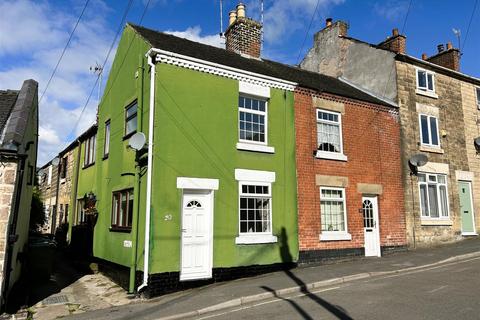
column 197, row 235
column 371, row 226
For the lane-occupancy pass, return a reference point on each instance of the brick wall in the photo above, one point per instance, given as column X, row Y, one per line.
column 453, row 151
column 449, row 59
column 244, row 36
column 371, row 141
column 8, row 175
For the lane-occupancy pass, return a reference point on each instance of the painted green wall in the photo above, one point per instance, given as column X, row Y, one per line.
column 196, row 120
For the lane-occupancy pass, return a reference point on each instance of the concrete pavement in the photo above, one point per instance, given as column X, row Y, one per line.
column 240, row 292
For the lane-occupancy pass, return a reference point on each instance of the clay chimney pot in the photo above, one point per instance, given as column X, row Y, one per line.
column 395, row 32
column 328, row 22
column 240, row 10
column 449, row 45
column 424, row 56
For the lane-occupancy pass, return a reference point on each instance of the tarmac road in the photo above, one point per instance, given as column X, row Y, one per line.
column 450, row 291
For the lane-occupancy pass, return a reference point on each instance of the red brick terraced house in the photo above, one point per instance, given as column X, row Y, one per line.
column 350, row 192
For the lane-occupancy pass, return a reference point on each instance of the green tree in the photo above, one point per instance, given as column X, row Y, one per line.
column 37, row 211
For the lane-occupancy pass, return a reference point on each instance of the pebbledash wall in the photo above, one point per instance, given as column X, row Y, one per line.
column 371, row 144
column 196, row 119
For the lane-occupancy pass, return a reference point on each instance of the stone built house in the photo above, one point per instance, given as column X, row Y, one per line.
column 438, row 117
column 48, row 186
column 18, row 159
column 350, row 192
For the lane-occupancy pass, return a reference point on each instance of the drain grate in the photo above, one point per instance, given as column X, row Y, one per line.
column 55, row 300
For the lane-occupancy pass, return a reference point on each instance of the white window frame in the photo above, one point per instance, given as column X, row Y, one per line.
column 255, row 178
column 330, row 154
column 425, row 90
column 106, row 143
column 90, row 146
column 49, row 178
column 439, row 202
column 258, row 146
column 477, row 96
column 335, row 235
column 429, row 131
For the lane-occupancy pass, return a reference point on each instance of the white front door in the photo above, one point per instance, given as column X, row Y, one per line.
column 197, row 235
column 371, row 226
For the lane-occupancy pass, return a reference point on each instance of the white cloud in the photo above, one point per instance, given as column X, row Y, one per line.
column 393, row 10
column 194, row 34
column 282, row 18
column 38, row 42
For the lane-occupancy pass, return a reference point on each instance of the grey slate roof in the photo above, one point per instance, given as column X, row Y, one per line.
column 17, row 117
column 7, row 101
column 311, row 80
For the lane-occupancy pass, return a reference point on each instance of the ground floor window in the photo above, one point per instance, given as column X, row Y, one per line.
column 433, row 195
column 332, row 210
column 122, row 209
column 255, row 208
column 81, row 216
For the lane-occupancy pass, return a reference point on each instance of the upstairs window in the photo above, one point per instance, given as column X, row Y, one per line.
column 106, row 144
column 477, row 90
column 131, row 119
column 425, row 81
column 122, row 209
column 433, row 195
column 429, row 131
column 89, row 153
column 252, row 120
column 63, row 167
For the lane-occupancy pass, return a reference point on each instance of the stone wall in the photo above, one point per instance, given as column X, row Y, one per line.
column 8, row 175
column 471, row 116
column 453, row 151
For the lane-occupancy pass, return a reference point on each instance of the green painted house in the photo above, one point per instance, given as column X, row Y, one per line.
column 212, row 193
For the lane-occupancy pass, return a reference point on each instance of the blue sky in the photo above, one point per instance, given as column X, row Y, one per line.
column 33, row 34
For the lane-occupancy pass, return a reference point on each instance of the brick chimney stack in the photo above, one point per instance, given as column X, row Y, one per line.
column 396, row 42
column 449, row 58
column 243, row 35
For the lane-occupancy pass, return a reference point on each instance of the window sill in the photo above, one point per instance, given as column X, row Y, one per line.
column 431, row 149
column 255, row 147
column 436, row 222
column 88, row 165
column 125, row 137
column 256, row 239
column 331, row 156
column 335, row 236
column 469, row 234
column 118, row 229
column 426, row 93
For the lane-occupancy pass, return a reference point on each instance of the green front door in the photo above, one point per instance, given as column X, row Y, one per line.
column 466, row 210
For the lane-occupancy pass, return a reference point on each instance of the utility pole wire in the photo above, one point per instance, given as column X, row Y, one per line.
column 127, row 9
column 64, row 49
column 469, row 24
column 308, row 30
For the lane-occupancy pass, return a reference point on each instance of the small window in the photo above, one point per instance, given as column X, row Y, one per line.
column 255, row 208
column 106, row 144
column 89, row 151
column 429, row 130
column 122, row 209
column 252, row 120
column 194, row 204
column 477, row 90
column 425, row 80
column 63, row 167
column 50, row 171
column 81, row 217
column 131, row 119
column 329, row 131
column 332, row 209
column 433, row 195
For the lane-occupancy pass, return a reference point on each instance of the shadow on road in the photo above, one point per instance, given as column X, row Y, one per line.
column 337, row 311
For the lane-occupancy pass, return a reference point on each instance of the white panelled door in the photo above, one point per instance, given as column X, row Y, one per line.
column 197, row 235
column 371, row 226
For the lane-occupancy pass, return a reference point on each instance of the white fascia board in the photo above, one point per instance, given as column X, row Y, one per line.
column 197, row 183
column 221, row 70
column 254, row 175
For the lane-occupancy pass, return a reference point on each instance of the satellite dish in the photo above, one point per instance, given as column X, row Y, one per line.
column 476, row 142
column 137, row 141
column 418, row 160
column 55, row 161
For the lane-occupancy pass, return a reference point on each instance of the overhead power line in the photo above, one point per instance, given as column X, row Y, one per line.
column 469, row 24
column 308, row 30
column 64, row 49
